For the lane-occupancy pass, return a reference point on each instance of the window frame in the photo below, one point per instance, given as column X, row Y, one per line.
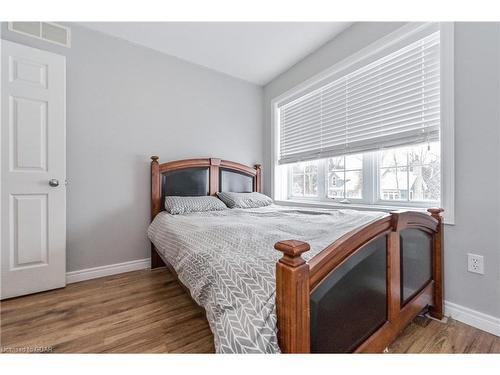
column 371, row 193
column 371, row 200
column 290, row 185
column 345, row 170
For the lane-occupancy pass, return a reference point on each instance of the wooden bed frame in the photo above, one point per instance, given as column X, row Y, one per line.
column 411, row 245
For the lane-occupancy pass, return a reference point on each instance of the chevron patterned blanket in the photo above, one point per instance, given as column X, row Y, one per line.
column 227, row 260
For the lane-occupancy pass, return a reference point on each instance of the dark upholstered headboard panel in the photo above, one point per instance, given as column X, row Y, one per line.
column 198, row 177
column 232, row 181
column 187, row 182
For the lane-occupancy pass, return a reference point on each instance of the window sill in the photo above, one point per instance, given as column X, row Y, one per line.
column 353, row 206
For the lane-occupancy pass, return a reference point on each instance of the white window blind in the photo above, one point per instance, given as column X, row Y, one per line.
column 393, row 101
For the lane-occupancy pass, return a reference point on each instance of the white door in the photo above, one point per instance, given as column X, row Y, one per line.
column 33, row 170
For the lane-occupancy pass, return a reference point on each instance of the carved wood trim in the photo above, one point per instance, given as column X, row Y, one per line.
column 412, row 219
column 393, row 276
column 258, row 179
column 292, row 298
column 437, row 308
column 214, row 176
column 252, row 171
column 183, row 164
column 156, row 261
column 155, row 187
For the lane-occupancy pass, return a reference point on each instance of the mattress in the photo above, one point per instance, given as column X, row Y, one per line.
column 227, row 261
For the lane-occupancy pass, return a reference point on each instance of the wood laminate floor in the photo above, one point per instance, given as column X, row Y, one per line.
column 149, row 312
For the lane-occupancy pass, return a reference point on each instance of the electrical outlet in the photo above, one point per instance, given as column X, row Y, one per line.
column 475, row 263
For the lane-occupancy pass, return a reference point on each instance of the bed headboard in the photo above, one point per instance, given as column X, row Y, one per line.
column 197, row 177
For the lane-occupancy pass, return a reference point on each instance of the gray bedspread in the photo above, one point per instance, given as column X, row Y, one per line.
column 227, row 260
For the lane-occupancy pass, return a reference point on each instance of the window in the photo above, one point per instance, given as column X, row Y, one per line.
column 371, row 130
column 345, row 177
column 304, row 179
column 409, row 176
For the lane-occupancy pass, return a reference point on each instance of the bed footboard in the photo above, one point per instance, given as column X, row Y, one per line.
column 361, row 291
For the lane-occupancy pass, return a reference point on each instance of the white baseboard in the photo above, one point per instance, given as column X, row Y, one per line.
column 463, row 314
column 473, row 318
column 110, row 269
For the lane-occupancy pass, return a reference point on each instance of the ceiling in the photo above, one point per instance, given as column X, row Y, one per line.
column 253, row 51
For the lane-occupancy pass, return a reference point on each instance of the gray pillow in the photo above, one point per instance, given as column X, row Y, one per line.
column 183, row 205
column 245, row 200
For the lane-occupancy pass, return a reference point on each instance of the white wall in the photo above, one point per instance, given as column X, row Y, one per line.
column 125, row 103
column 477, row 149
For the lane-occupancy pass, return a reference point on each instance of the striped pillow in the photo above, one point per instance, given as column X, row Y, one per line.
column 245, row 200
column 183, row 205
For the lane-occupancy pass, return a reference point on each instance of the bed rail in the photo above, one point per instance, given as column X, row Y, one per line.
column 412, row 241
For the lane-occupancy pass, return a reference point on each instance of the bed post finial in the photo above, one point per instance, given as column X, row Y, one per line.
column 437, row 310
column 292, row 251
column 292, row 297
column 155, row 158
column 436, row 213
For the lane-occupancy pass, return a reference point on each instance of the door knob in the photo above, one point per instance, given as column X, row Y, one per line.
column 53, row 182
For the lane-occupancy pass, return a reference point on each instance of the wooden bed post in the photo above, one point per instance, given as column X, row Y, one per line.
column 293, row 297
column 436, row 309
column 394, row 268
column 258, row 179
column 155, row 187
column 156, row 261
column 214, row 176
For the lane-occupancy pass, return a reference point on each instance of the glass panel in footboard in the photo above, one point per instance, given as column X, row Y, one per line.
column 416, row 262
column 351, row 303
